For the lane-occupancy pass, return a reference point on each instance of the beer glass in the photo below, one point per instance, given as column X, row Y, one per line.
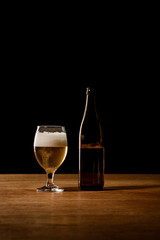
column 50, row 149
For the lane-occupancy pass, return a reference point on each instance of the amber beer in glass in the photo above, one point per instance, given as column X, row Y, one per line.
column 50, row 158
column 50, row 149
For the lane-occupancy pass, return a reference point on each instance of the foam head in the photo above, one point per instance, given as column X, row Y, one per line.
column 50, row 139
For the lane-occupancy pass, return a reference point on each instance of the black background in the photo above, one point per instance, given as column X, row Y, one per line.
column 47, row 65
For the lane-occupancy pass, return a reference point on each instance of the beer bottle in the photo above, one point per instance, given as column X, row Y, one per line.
column 91, row 149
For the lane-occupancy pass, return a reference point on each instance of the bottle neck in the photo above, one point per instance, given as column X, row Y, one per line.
column 90, row 122
column 91, row 104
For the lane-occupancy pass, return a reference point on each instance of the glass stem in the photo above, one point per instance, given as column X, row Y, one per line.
column 50, row 179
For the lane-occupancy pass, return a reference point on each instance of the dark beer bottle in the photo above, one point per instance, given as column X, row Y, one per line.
column 91, row 149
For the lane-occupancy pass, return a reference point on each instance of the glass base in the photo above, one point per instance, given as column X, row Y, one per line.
column 53, row 188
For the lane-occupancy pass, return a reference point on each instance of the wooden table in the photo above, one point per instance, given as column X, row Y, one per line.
column 128, row 208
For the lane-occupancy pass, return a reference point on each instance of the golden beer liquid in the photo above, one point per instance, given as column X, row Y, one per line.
column 50, row 158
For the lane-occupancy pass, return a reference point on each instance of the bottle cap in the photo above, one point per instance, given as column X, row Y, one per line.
column 89, row 89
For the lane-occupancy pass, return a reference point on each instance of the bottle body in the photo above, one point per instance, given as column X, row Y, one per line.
column 91, row 167
column 91, row 149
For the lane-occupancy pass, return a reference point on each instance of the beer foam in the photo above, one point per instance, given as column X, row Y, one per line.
column 50, row 139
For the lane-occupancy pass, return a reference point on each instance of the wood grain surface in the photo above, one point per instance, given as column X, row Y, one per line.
column 127, row 208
